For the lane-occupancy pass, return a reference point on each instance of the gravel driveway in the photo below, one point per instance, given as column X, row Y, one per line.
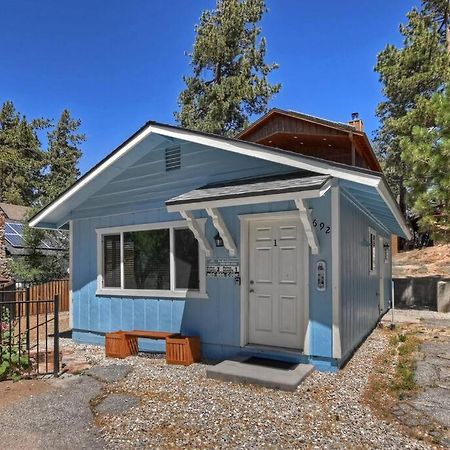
column 153, row 405
column 179, row 408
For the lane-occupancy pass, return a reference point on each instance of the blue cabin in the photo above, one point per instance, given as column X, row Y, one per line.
column 259, row 250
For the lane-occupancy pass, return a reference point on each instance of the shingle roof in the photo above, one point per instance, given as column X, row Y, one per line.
column 250, row 188
column 15, row 212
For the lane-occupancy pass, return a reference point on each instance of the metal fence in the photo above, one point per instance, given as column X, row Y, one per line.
column 29, row 333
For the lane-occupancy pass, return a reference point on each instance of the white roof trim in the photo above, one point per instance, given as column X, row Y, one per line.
column 83, row 182
column 260, row 152
column 233, row 146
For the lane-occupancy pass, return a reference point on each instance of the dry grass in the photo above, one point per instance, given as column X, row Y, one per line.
column 430, row 261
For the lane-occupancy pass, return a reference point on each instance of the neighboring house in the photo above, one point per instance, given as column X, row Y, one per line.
column 12, row 243
column 258, row 250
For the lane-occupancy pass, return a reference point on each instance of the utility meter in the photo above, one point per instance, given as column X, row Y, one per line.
column 321, row 275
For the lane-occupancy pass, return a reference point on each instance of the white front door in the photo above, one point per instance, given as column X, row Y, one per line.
column 276, row 285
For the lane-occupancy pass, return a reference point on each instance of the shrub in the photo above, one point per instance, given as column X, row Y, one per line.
column 14, row 361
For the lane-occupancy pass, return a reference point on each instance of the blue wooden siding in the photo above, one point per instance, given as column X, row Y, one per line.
column 359, row 291
column 216, row 319
column 320, row 304
column 145, row 184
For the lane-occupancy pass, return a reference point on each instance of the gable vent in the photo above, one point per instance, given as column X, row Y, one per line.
column 173, row 158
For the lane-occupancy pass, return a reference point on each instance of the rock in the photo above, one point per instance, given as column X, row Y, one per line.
column 109, row 373
column 115, row 404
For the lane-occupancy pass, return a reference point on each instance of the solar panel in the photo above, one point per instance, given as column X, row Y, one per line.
column 15, row 240
column 14, row 234
column 17, row 227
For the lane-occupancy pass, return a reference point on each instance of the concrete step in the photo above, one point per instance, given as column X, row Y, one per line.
column 268, row 373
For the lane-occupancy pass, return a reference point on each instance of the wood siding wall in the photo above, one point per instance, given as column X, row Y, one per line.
column 359, row 290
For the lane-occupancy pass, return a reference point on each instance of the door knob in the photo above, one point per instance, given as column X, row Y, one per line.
column 251, row 290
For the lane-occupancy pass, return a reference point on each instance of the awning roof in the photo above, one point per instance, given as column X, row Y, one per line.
column 250, row 188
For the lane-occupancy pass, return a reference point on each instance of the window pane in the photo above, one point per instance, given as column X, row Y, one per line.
column 111, row 261
column 186, row 260
column 372, row 251
column 147, row 259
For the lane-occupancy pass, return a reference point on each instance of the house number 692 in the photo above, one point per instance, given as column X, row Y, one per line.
column 322, row 226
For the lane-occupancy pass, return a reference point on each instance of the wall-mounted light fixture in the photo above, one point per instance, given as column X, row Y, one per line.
column 218, row 240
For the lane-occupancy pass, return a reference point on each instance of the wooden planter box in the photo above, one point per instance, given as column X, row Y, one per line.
column 117, row 345
column 183, row 350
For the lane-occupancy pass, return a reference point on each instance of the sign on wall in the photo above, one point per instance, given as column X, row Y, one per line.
column 222, row 267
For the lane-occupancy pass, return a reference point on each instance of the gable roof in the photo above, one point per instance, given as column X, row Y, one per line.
column 14, row 212
column 346, row 128
column 299, row 115
column 48, row 216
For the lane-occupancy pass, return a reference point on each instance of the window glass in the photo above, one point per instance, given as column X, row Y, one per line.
column 147, row 259
column 186, row 260
column 372, row 252
column 111, row 260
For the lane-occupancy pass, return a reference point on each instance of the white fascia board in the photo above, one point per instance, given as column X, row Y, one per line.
column 83, row 182
column 387, row 198
column 258, row 151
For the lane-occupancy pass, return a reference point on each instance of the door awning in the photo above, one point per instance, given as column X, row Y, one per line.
column 246, row 192
column 243, row 192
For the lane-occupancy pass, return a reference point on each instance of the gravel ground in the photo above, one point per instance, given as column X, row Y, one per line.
column 402, row 316
column 179, row 408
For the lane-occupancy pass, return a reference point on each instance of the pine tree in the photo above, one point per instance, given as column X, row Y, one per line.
column 427, row 152
column 62, row 156
column 411, row 75
column 21, row 156
column 229, row 82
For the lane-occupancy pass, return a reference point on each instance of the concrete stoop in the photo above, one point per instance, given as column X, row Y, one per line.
column 268, row 373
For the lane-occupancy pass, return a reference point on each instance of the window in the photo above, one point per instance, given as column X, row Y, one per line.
column 111, row 260
column 372, row 252
column 146, row 259
column 156, row 259
column 186, row 260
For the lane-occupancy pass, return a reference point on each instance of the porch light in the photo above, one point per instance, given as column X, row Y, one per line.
column 386, row 246
column 218, row 240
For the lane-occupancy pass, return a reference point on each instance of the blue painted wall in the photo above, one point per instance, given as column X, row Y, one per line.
column 136, row 195
column 359, row 290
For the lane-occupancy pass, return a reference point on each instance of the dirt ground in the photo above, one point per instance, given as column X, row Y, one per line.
column 35, row 320
column 430, row 261
column 12, row 392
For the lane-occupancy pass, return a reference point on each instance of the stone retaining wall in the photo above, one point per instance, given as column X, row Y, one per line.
column 431, row 293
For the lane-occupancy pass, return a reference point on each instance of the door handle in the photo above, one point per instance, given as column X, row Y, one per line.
column 251, row 290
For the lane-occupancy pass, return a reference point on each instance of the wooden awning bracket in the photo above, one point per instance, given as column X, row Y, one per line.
column 222, row 228
column 198, row 232
column 310, row 231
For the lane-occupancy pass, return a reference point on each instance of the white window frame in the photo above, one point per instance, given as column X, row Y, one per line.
column 373, row 270
column 173, row 292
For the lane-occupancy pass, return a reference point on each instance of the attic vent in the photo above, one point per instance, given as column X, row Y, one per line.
column 173, row 158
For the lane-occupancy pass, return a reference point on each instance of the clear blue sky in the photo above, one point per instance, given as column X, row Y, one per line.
column 116, row 64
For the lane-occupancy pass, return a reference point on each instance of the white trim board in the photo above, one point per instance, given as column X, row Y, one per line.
column 336, row 270
column 234, row 146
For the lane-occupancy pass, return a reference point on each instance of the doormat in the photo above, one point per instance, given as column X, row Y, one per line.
column 272, row 363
